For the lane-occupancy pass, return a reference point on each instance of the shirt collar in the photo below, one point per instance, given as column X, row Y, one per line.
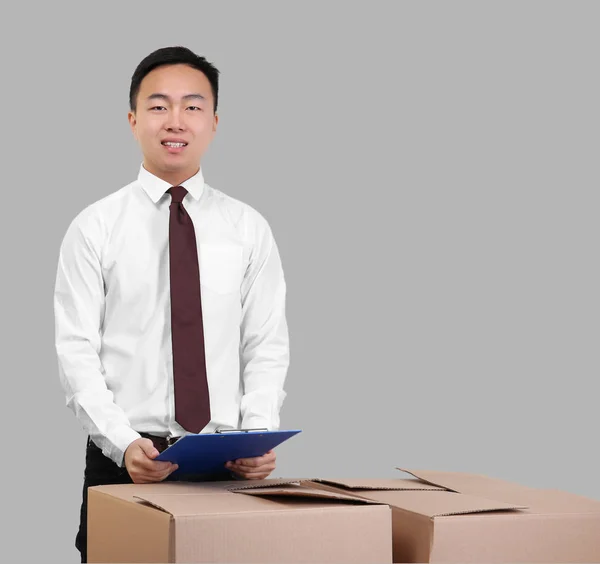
column 156, row 187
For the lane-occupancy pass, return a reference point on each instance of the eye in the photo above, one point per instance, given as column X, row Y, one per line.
column 157, row 107
column 194, row 107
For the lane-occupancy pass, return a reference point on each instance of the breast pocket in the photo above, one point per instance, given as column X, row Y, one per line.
column 220, row 267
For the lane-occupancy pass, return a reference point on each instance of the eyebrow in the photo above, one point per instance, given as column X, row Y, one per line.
column 158, row 96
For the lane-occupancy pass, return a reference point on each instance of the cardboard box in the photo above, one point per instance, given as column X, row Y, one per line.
column 456, row 517
column 239, row 521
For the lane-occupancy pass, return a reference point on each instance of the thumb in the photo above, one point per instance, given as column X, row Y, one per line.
column 148, row 448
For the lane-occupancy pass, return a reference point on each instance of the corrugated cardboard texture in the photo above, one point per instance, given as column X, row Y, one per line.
column 412, row 536
column 277, row 498
column 303, row 492
column 301, row 534
column 434, row 504
column 474, row 484
column 129, row 491
column 122, row 531
column 498, row 537
column 380, row 484
column 236, row 523
column 269, row 482
column 481, row 519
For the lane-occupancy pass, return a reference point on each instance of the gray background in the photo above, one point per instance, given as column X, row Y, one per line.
column 429, row 170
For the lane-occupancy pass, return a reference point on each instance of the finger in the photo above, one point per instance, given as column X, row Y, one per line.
column 257, row 460
column 153, row 465
column 143, row 479
column 152, row 477
column 256, row 467
column 253, row 462
column 249, row 469
column 162, row 474
column 155, row 472
column 168, row 473
column 140, row 460
column 248, row 462
column 148, row 448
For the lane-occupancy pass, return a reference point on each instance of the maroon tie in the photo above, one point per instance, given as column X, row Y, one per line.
column 192, row 403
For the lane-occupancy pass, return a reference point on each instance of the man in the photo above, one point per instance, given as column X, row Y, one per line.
column 170, row 296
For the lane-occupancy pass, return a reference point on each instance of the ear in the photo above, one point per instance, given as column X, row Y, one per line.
column 132, row 123
column 215, row 122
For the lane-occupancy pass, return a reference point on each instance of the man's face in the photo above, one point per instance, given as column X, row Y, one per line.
column 174, row 106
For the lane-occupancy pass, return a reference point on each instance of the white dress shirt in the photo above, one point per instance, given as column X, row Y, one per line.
column 113, row 315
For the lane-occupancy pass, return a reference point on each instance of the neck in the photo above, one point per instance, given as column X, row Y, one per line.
column 175, row 177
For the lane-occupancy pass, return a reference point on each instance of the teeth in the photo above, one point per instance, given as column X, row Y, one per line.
column 169, row 144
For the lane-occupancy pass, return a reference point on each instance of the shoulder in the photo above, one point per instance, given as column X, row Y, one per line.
column 95, row 220
column 245, row 218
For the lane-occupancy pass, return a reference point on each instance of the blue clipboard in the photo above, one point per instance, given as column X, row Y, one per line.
column 208, row 452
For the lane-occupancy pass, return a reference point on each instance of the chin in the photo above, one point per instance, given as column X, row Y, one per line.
column 171, row 166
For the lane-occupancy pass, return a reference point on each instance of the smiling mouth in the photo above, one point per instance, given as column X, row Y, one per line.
column 173, row 145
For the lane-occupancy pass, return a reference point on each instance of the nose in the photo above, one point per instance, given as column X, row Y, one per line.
column 174, row 121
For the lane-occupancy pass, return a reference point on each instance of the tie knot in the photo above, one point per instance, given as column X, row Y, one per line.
column 177, row 193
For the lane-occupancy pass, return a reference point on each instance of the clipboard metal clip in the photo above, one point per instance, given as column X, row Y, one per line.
column 240, row 430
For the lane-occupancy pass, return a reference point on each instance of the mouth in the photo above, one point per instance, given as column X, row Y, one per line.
column 174, row 146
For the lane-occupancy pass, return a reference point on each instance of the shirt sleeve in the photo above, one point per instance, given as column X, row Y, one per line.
column 79, row 301
column 264, row 340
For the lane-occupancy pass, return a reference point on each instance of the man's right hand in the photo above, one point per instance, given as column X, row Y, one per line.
column 140, row 463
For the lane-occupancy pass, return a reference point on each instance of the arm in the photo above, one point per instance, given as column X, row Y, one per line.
column 264, row 346
column 79, row 301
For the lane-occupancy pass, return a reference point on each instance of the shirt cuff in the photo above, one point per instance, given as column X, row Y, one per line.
column 256, row 422
column 116, row 444
column 261, row 409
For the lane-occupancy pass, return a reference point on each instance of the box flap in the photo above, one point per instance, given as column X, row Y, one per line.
column 435, row 478
column 379, row 484
column 475, row 484
column 557, row 502
column 228, row 527
column 299, row 491
column 269, row 482
column 230, row 501
column 439, row 503
column 129, row 491
column 204, row 504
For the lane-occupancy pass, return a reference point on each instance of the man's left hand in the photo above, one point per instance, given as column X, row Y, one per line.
column 257, row 468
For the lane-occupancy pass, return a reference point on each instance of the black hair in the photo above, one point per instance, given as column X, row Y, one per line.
column 173, row 56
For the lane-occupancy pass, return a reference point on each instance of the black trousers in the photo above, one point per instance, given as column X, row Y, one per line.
column 100, row 471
